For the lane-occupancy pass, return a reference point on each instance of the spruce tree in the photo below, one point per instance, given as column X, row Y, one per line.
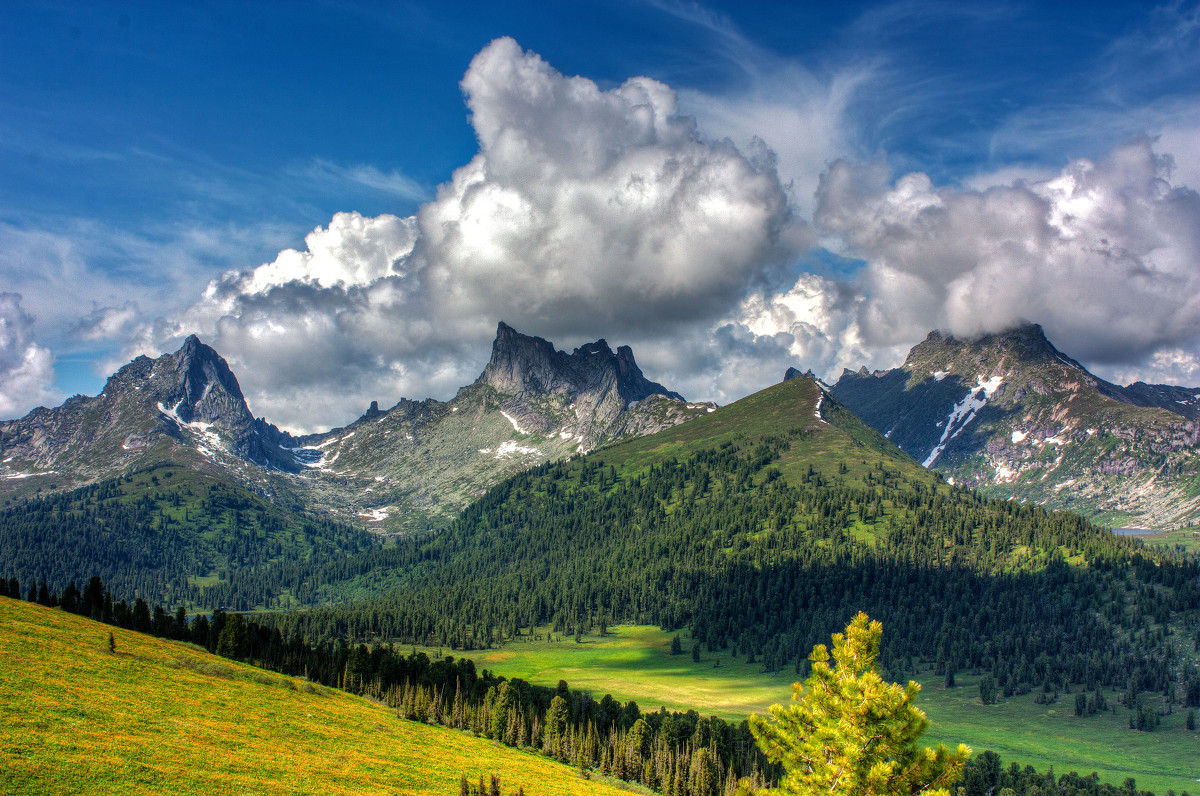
column 848, row 731
column 234, row 639
column 987, row 690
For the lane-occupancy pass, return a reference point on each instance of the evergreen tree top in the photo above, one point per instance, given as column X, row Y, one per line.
column 848, row 731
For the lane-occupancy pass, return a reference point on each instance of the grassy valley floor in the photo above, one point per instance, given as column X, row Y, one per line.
column 635, row 663
column 165, row 717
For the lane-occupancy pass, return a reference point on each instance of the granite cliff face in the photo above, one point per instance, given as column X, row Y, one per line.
column 405, row 467
column 590, row 395
column 1012, row 415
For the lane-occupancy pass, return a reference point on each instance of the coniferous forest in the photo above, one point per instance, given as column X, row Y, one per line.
column 750, row 562
column 174, row 536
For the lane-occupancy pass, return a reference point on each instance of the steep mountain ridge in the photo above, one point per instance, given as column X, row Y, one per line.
column 1012, row 415
column 579, row 395
column 186, row 405
column 405, row 467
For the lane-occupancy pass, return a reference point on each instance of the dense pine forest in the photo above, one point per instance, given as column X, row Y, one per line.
column 171, row 535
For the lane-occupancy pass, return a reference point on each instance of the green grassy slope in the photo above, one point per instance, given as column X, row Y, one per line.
column 835, row 438
column 163, row 717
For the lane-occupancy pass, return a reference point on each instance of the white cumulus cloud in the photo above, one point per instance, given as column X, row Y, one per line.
column 586, row 212
column 1104, row 254
column 26, row 368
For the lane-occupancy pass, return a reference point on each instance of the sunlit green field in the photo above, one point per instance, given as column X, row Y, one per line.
column 1186, row 538
column 164, row 717
column 635, row 663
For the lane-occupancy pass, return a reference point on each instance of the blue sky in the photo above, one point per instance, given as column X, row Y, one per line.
column 866, row 172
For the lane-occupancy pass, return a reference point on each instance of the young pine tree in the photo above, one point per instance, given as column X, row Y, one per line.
column 848, row 732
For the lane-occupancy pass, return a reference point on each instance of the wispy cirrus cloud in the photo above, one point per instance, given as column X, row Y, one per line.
column 393, row 183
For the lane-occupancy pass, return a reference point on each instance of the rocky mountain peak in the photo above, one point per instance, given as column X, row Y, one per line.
column 1023, row 343
column 1011, row 414
column 205, row 388
column 523, row 364
column 794, row 373
column 520, row 363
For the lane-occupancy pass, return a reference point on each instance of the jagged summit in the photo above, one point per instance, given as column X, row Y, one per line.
column 794, row 373
column 206, row 389
column 525, row 364
column 1025, row 343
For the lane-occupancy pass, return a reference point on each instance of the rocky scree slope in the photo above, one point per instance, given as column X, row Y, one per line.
column 1012, row 415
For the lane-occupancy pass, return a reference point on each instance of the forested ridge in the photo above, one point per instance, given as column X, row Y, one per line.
column 722, row 543
column 173, row 535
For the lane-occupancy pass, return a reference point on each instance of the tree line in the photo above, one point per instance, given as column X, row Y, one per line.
column 171, row 537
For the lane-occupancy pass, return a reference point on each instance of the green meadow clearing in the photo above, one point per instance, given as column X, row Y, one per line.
column 635, row 663
column 165, row 717
column 1187, row 538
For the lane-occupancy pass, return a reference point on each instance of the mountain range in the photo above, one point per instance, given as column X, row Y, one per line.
column 1007, row 413
column 406, row 467
column 1011, row 415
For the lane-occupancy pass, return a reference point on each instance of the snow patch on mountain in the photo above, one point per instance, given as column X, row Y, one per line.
column 964, row 412
column 511, row 448
column 28, row 475
column 516, row 427
column 203, row 429
column 320, row 464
